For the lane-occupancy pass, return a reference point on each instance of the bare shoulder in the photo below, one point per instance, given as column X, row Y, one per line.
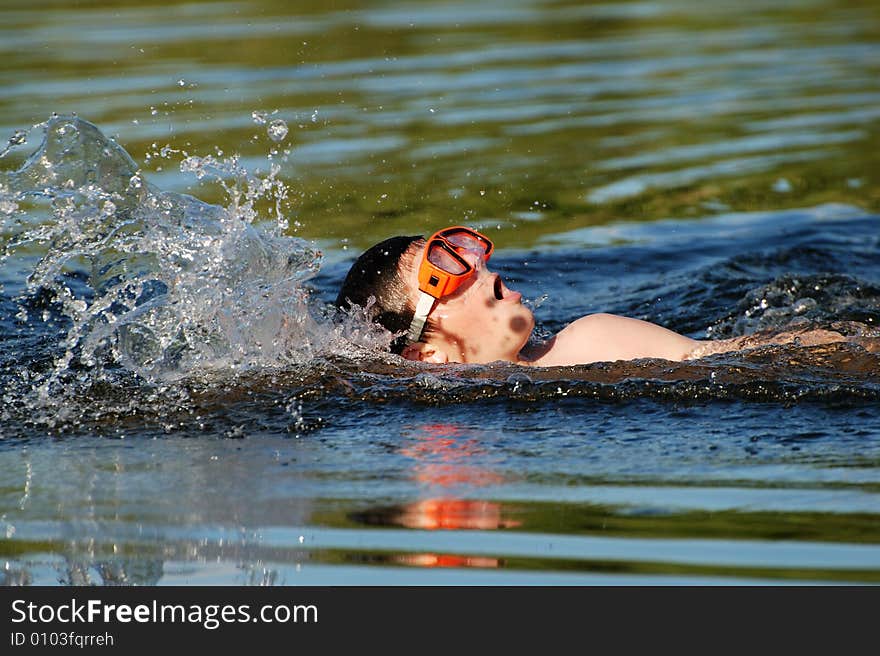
column 606, row 325
column 607, row 337
column 598, row 321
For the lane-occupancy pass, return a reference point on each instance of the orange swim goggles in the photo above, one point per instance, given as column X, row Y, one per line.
column 444, row 268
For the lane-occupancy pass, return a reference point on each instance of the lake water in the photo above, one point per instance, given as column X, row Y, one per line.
column 186, row 183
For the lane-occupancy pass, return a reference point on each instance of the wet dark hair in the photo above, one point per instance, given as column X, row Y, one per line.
column 377, row 274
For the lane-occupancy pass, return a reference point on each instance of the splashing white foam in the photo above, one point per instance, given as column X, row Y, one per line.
column 174, row 284
column 155, row 284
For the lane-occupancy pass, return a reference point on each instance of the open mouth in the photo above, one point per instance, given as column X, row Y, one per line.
column 499, row 289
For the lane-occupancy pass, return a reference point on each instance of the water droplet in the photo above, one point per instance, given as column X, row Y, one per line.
column 259, row 118
column 804, row 305
column 518, row 381
column 538, row 302
column 782, row 186
column 277, row 130
column 18, row 138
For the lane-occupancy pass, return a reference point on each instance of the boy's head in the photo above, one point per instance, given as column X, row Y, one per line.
column 481, row 320
column 381, row 274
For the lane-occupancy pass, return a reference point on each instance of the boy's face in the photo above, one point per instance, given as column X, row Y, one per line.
column 483, row 321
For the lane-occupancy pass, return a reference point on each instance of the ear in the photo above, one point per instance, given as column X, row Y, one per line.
column 422, row 352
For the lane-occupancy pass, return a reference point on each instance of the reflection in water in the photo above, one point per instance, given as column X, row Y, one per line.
column 447, row 560
column 65, row 510
column 84, row 556
column 436, row 514
column 445, row 456
column 123, row 571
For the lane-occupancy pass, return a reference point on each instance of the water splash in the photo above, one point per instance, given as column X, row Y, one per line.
column 790, row 300
column 154, row 284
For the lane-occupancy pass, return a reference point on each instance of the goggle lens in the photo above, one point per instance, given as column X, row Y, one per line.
column 467, row 241
column 442, row 259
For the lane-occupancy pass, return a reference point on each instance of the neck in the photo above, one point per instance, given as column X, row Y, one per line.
column 532, row 352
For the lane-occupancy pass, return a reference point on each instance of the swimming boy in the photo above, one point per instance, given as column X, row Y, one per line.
column 446, row 306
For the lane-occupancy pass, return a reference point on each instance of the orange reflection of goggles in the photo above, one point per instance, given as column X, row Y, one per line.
column 444, row 266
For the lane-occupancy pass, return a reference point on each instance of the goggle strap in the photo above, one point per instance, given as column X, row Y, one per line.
column 423, row 309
